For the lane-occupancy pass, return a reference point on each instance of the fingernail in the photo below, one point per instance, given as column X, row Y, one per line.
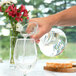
column 37, row 41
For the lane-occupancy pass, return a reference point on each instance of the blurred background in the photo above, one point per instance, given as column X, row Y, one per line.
column 41, row 8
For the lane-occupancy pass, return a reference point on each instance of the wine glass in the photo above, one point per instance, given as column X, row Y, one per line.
column 29, row 29
column 25, row 55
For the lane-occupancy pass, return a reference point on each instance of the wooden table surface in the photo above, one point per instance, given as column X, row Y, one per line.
column 38, row 70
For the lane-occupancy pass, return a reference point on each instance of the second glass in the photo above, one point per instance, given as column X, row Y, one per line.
column 25, row 54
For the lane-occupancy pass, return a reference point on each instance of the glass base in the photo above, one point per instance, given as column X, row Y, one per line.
column 12, row 66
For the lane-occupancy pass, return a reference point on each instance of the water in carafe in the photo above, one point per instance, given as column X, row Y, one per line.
column 53, row 43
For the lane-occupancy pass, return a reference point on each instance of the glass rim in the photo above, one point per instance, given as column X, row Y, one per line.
column 31, row 22
column 31, row 33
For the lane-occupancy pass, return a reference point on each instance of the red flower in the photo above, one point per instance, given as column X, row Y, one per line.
column 17, row 9
column 13, row 5
column 17, row 19
column 19, row 14
column 22, row 8
column 7, row 10
column 27, row 17
column 25, row 13
column 10, row 7
column 0, row 9
column 14, row 9
column 13, row 16
column 21, row 19
column 11, row 10
column 10, row 13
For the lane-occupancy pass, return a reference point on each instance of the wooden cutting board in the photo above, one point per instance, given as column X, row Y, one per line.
column 66, row 70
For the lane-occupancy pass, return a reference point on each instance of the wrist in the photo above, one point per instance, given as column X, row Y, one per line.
column 54, row 19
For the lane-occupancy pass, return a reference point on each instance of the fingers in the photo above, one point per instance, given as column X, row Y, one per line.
column 38, row 35
column 37, row 41
column 41, row 29
column 28, row 29
column 31, row 27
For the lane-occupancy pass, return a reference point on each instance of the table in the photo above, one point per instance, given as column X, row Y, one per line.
column 38, row 70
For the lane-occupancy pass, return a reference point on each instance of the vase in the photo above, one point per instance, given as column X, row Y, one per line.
column 12, row 46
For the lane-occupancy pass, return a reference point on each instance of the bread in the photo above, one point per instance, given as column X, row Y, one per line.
column 73, row 63
column 67, row 67
column 59, row 65
column 65, row 70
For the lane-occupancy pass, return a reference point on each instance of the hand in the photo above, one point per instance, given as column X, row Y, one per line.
column 44, row 26
column 63, row 18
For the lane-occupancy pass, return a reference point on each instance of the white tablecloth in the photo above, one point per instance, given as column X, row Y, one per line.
column 38, row 70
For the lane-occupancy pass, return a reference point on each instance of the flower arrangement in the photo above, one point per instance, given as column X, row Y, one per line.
column 15, row 16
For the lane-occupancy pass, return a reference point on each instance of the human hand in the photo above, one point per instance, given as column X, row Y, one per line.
column 44, row 26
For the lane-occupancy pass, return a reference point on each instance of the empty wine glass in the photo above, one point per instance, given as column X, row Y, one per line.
column 25, row 55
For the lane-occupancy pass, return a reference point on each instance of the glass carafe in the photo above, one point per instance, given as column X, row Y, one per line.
column 53, row 43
